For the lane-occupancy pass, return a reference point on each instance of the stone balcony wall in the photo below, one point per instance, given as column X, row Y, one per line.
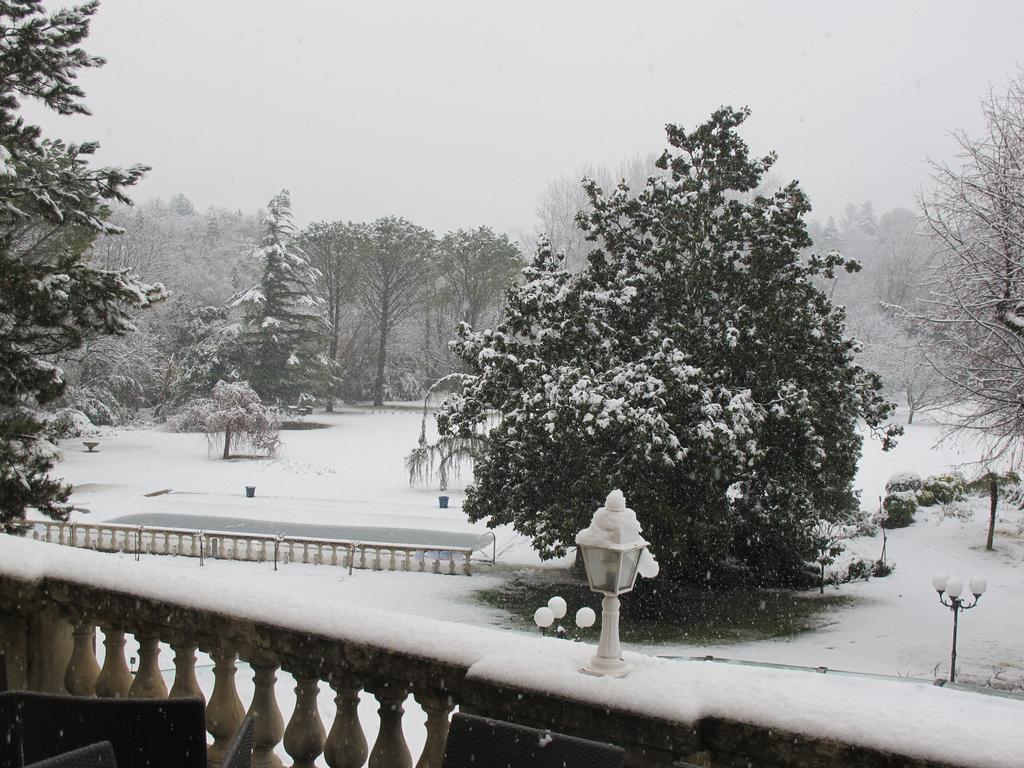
column 51, row 606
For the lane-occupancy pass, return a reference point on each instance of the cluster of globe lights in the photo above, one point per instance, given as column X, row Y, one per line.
column 556, row 609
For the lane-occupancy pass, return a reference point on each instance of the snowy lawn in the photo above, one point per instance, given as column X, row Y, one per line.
column 352, row 473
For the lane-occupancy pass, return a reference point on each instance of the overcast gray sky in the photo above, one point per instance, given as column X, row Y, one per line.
column 455, row 114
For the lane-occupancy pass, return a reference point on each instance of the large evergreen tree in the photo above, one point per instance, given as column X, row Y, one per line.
column 693, row 363
column 280, row 347
column 51, row 206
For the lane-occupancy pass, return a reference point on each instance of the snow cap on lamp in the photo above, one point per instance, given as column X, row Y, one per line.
column 611, row 540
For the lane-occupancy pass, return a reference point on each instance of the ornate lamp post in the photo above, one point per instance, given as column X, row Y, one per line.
column 953, row 588
column 613, row 554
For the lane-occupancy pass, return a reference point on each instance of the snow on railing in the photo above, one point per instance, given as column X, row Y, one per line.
column 256, row 547
column 52, row 599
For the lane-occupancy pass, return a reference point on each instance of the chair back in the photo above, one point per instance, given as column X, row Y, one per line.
column 144, row 733
column 99, row 755
column 239, row 751
column 479, row 742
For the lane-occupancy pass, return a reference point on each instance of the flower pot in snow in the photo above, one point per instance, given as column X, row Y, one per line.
column 442, row 502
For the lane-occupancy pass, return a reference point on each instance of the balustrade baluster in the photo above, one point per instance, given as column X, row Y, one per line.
column 149, row 683
column 115, row 679
column 185, row 683
column 438, row 705
column 334, row 554
column 224, row 711
column 268, row 724
column 362, row 557
column 408, row 560
column 346, row 745
column 304, row 737
column 390, row 749
column 83, row 669
column 391, row 562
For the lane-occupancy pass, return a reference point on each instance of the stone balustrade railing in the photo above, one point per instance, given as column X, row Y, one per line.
column 131, row 539
column 53, row 600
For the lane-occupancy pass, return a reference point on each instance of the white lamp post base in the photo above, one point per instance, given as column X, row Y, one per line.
column 607, row 662
column 606, row 668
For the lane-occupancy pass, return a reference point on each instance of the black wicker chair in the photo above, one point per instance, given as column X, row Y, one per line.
column 144, row 733
column 99, row 755
column 479, row 742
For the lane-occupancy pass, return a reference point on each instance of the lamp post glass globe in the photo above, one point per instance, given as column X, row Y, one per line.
column 939, row 582
column 978, row 587
column 558, row 607
column 954, row 587
column 585, row 617
column 544, row 617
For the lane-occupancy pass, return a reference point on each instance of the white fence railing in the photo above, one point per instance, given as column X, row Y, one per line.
column 256, row 547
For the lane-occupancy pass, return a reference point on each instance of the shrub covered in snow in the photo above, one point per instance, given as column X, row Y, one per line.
column 944, row 488
column 899, row 508
column 694, row 363
column 925, row 498
column 904, row 481
column 70, row 422
column 234, row 416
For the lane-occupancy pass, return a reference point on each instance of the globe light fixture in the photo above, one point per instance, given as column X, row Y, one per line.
column 546, row 617
column 952, row 589
column 614, row 554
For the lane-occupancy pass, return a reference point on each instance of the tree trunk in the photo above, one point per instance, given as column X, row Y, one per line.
column 382, row 347
column 227, row 442
column 332, row 354
column 993, row 494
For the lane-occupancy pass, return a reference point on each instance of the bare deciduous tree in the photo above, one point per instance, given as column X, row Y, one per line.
column 975, row 216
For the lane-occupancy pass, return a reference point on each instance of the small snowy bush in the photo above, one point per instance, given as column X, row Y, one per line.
column 234, row 416
column 899, row 508
column 71, row 422
column 903, row 481
column 957, row 511
column 944, row 488
column 925, row 498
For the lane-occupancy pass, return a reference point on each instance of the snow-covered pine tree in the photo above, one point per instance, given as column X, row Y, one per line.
column 281, row 346
column 693, row 363
column 52, row 204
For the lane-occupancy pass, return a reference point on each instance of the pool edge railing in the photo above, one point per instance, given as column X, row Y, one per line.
column 255, row 547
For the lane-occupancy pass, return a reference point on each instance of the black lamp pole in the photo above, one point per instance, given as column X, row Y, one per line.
column 956, row 605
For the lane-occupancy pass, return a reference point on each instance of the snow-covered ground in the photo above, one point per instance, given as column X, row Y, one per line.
column 352, row 473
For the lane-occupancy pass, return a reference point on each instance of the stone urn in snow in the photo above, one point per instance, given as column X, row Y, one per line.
column 614, row 554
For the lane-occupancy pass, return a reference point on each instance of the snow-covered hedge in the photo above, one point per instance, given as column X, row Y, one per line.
column 899, row 508
column 903, row 481
column 945, row 489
